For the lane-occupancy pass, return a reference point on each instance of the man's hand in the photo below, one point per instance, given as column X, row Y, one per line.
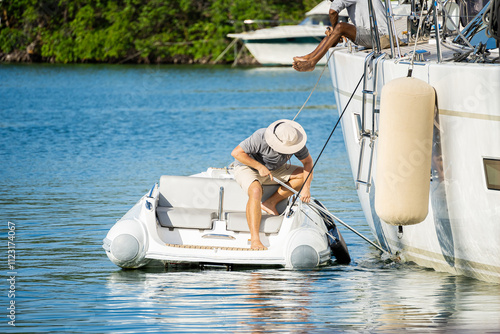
column 242, row 157
column 328, row 31
column 263, row 171
column 305, row 195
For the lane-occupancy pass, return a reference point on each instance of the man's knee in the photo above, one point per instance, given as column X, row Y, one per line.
column 342, row 27
column 345, row 29
column 297, row 173
column 255, row 191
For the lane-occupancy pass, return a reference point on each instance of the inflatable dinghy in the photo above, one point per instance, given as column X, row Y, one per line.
column 201, row 219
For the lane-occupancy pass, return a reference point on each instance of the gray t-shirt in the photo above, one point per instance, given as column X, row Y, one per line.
column 258, row 149
column 360, row 15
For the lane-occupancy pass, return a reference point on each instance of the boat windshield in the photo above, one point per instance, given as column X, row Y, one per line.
column 322, row 20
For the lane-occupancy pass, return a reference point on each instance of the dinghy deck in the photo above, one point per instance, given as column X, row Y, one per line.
column 213, row 247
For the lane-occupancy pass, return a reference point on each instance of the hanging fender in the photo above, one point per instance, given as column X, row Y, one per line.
column 404, row 151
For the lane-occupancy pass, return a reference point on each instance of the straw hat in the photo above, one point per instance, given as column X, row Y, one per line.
column 285, row 136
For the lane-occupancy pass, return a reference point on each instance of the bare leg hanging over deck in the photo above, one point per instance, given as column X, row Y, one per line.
column 333, row 35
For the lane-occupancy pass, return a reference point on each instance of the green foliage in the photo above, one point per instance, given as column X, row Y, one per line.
column 69, row 31
column 11, row 39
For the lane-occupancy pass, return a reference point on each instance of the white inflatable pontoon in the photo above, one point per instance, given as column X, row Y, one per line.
column 201, row 219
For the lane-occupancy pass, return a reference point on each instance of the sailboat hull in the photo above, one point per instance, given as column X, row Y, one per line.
column 461, row 233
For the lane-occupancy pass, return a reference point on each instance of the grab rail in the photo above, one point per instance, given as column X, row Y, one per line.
column 148, row 204
column 221, row 202
column 374, row 28
column 391, row 25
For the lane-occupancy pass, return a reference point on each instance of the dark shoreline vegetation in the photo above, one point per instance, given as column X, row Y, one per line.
column 131, row 31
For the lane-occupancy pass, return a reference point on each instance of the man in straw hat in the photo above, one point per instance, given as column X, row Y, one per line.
column 263, row 156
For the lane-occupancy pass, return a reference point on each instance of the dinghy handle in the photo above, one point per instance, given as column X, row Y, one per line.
column 149, row 205
column 221, row 203
column 151, row 192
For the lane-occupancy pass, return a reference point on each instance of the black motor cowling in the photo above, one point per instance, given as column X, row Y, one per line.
column 335, row 239
column 338, row 246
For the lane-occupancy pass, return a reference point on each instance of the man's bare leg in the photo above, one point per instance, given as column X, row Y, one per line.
column 314, row 52
column 323, row 45
column 254, row 215
column 295, row 182
column 308, row 63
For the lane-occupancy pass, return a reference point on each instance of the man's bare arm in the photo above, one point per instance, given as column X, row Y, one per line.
column 244, row 158
column 306, row 190
column 334, row 17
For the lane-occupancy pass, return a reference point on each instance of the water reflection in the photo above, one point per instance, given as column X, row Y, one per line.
column 271, row 303
column 439, row 200
column 248, row 301
column 361, row 297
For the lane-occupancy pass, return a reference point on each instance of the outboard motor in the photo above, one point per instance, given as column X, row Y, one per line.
column 338, row 246
column 336, row 242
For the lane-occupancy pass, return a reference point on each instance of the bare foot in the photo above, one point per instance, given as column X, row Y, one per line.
column 303, row 58
column 303, row 66
column 257, row 245
column 270, row 209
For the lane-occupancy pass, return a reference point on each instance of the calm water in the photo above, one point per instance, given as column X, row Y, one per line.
column 79, row 145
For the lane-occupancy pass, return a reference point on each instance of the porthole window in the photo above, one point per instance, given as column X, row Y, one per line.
column 492, row 172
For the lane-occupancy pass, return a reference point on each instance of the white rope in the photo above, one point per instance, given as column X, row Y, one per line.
column 316, row 85
column 410, row 67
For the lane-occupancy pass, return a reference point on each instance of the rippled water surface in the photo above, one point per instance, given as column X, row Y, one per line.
column 79, row 145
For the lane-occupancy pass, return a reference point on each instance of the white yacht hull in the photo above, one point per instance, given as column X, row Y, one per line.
column 278, row 45
column 461, row 233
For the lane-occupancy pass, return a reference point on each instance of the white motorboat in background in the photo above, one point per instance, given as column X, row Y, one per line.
column 201, row 219
column 278, row 45
column 459, row 200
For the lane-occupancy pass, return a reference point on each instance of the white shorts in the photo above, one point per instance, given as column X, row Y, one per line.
column 364, row 38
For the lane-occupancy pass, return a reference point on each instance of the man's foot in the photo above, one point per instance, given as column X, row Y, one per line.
column 303, row 65
column 303, row 58
column 257, row 245
column 270, row 209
